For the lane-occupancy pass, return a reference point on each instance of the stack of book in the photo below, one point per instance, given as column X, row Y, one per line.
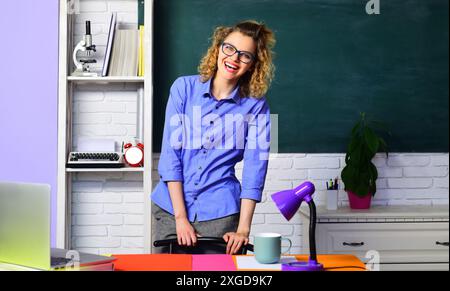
column 124, row 55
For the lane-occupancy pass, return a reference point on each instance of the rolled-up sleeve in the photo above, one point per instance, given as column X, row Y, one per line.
column 256, row 152
column 170, row 167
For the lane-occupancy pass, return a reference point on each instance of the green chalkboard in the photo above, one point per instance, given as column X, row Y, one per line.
column 333, row 60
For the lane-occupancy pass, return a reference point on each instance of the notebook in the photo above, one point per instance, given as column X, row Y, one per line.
column 112, row 29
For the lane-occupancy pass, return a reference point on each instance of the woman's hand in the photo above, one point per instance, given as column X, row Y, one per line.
column 235, row 240
column 186, row 234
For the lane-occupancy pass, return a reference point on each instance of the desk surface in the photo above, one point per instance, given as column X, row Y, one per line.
column 166, row 262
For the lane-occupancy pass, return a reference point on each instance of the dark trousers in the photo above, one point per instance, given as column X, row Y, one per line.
column 164, row 227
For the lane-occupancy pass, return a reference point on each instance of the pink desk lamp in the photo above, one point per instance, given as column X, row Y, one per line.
column 288, row 202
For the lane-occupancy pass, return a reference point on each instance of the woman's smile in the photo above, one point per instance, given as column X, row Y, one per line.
column 231, row 67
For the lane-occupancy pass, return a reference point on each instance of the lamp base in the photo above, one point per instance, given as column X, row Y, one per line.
column 311, row 265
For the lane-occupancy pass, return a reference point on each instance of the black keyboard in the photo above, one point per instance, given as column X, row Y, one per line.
column 56, row 261
column 95, row 160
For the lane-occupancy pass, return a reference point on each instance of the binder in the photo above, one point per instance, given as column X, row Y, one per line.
column 141, row 51
column 112, row 29
column 141, row 14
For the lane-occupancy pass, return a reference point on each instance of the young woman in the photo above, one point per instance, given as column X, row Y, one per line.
column 198, row 193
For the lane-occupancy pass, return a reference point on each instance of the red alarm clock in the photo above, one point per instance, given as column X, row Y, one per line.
column 134, row 155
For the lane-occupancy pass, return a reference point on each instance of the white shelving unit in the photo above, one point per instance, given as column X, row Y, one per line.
column 74, row 170
column 106, row 80
column 65, row 97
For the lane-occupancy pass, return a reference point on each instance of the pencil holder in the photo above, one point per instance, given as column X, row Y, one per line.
column 332, row 199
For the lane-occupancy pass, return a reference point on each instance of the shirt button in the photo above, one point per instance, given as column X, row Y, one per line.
column 217, row 106
column 196, row 184
column 199, row 168
column 204, row 152
column 211, row 122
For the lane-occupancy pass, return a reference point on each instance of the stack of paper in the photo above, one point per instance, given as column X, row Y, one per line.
column 249, row 263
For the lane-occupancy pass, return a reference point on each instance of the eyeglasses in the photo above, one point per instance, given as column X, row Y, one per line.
column 243, row 56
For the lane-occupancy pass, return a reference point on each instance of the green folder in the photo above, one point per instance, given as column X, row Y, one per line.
column 141, row 14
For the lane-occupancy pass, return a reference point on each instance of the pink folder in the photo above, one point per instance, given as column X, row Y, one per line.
column 213, row 263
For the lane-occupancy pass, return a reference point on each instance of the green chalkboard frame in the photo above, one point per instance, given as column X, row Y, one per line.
column 333, row 61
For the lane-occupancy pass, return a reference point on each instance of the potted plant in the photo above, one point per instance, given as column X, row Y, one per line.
column 360, row 174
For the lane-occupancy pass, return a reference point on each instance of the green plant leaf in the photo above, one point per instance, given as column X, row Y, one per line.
column 356, row 128
column 373, row 189
column 355, row 156
column 347, row 158
column 355, row 143
column 371, row 140
column 373, row 171
column 348, row 176
column 362, row 189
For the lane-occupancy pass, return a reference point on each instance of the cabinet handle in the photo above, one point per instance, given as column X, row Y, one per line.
column 442, row 243
column 353, row 244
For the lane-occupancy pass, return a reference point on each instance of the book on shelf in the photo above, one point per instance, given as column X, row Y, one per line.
column 125, row 53
column 141, row 21
column 70, row 42
column 112, row 30
column 141, row 52
column 141, row 13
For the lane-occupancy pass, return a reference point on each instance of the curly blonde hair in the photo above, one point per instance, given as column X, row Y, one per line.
column 256, row 81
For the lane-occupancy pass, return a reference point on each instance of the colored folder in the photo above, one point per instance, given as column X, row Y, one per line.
column 213, row 263
column 155, row 262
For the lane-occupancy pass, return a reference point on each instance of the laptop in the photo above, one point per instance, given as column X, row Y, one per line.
column 25, row 232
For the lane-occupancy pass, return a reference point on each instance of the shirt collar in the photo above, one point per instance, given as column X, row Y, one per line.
column 205, row 90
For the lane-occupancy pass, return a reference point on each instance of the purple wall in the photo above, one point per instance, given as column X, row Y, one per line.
column 29, row 93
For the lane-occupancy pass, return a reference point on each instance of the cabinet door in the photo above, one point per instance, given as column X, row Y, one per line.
column 395, row 242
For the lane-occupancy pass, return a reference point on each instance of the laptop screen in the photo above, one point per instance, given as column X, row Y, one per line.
column 25, row 224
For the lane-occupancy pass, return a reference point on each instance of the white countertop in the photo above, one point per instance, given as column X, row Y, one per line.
column 417, row 213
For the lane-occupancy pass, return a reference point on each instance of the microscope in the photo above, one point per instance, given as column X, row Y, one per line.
column 85, row 45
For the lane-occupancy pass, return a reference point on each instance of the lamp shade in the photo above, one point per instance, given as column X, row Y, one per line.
column 288, row 201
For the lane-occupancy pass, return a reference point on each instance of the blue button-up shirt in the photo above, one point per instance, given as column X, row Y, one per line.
column 203, row 140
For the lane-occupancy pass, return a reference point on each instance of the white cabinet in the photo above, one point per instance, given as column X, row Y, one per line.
column 406, row 238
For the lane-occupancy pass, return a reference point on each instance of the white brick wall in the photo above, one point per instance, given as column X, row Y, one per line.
column 105, row 112
column 108, row 213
